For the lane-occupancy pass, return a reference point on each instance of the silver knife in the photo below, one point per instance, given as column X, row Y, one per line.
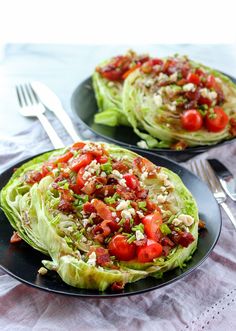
column 51, row 101
column 225, row 177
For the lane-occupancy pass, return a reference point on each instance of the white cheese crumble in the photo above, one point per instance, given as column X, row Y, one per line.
column 161, row 198
column 190, row 87
column 93, row 167
column 140, row 214
column 212, row 95
column 161, row 176
column 117, row 174
column 127, row 214
column 85, row 222
column 174, row 77
column 142, row 144
column 86, row 175
column 123, row 205
column 122, row 182
column 113, row 214
column 92, row 259
column 103, row 174
column 171, row 106
column 162, row 78
column 139, row 235
column 93, row 215
column 144, row 175
column 158, row 100
column 187, row 220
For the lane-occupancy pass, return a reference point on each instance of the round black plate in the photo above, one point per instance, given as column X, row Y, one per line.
column 22, row 261
column 83, row 103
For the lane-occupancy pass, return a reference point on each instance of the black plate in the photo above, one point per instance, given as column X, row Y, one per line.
column 22, row 262
column 83, row 103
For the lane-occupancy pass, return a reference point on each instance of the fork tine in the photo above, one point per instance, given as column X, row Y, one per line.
column 19, row 96
column 24, row 95
column 213, row 178
column 33, row 94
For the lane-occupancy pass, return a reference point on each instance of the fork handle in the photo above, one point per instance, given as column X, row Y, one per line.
column 229, row 213
column 53, row 136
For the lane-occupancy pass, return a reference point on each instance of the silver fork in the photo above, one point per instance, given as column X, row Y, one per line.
column 203, row 170
column 30, row 106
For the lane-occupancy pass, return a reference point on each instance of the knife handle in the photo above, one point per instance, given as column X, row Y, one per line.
column 229, row 213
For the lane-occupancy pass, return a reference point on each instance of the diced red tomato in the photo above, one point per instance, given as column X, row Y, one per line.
column 78, row 145
column 152, row 224
column 204, row 101
column 156, row 61
column 121, row 249
column 15, row 238
column 211, row 82
column 117, row 286
column 191, row 120
column 82, row 161
column 102, row 159
column 150, row 251
column 64, row 158
column 193, row 78
column 79, row 180
column 33, row 177
column 218, row 121
column 199, row 72
column 132, row 181
column 169, row 66
column 102, row 209
column 47, row 168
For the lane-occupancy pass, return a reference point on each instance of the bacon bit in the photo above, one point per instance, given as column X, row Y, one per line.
column 89, row 208
column 65, row 206
column 89, row 188
column 15, row 238
column 142, row 194
column 103, row 257
column 232, row 129
column 165, row 241
column 179, row 146
column 125, row 193
column 33, row 177
column 120, row 166
column 166, row 250
column 182, row 238
column 201, row 224
column 117, row 286
column 78, row 145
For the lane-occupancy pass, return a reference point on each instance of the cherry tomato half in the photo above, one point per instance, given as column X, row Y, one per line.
column 193, row 78
column 191, row 120
column 149, row 252
column 131, row 181
column 82, row 161
column 216, row 122
column 152, row 224
column 121, row 249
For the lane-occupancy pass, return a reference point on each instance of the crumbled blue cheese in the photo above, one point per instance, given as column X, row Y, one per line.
column 122, row 182
column 103, row 174
column 113, row 214
column 92, row 259
column 93, row 167
column 86, row 175
column 117, row 174
column 161, row 198
column 144, row 175
column 142, row 144
column 161, row 176
column 174, row 77
column 140, row 213
column 186, row 220
column 85, row 222
column 171, row 106
column 162, row 78
column 128, row 213
column 139, row 235
column 190, row 87
column 123, row 204
column 93, row 215
column 158, row 100
column 212, row 95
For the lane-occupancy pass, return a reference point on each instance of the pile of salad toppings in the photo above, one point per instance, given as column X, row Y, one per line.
column 110, row 208
column 120, row 67
column 187, row 91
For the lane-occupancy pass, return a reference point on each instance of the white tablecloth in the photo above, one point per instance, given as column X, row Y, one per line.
column 203, row 300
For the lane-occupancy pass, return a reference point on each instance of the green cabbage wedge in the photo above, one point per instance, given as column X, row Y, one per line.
column 33, row 212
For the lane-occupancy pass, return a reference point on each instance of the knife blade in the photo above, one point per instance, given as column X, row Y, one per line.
column 51, row 101
column 226, row 178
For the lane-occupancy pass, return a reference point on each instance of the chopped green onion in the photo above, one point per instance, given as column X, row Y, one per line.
column 131, row 239
column 165, row 229
column 107, row 167
column 139, row 227
column 142, row 205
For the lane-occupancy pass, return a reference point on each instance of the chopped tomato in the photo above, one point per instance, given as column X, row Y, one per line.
column 78, row 145
column 204, row 101
column 89, row 208
column 211, row 82
column 117, row 286
column 199, row 72
column 169, row 66
column 217, row 120
column 102, row 209
column 47, row 168
column 15, row 238
column 102, row 159
column 82, row 161
column 191, row 120
column 79, row 180
column 64, row 158
column 132, row 181
column 152, row 224
column 121, row 249
column 150, row 251
column 156, row 61
column 128, row 72
column 33, row 177
column 193, row 78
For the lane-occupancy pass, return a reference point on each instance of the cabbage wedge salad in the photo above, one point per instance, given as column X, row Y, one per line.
column 104, row 215
column 172, row 102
